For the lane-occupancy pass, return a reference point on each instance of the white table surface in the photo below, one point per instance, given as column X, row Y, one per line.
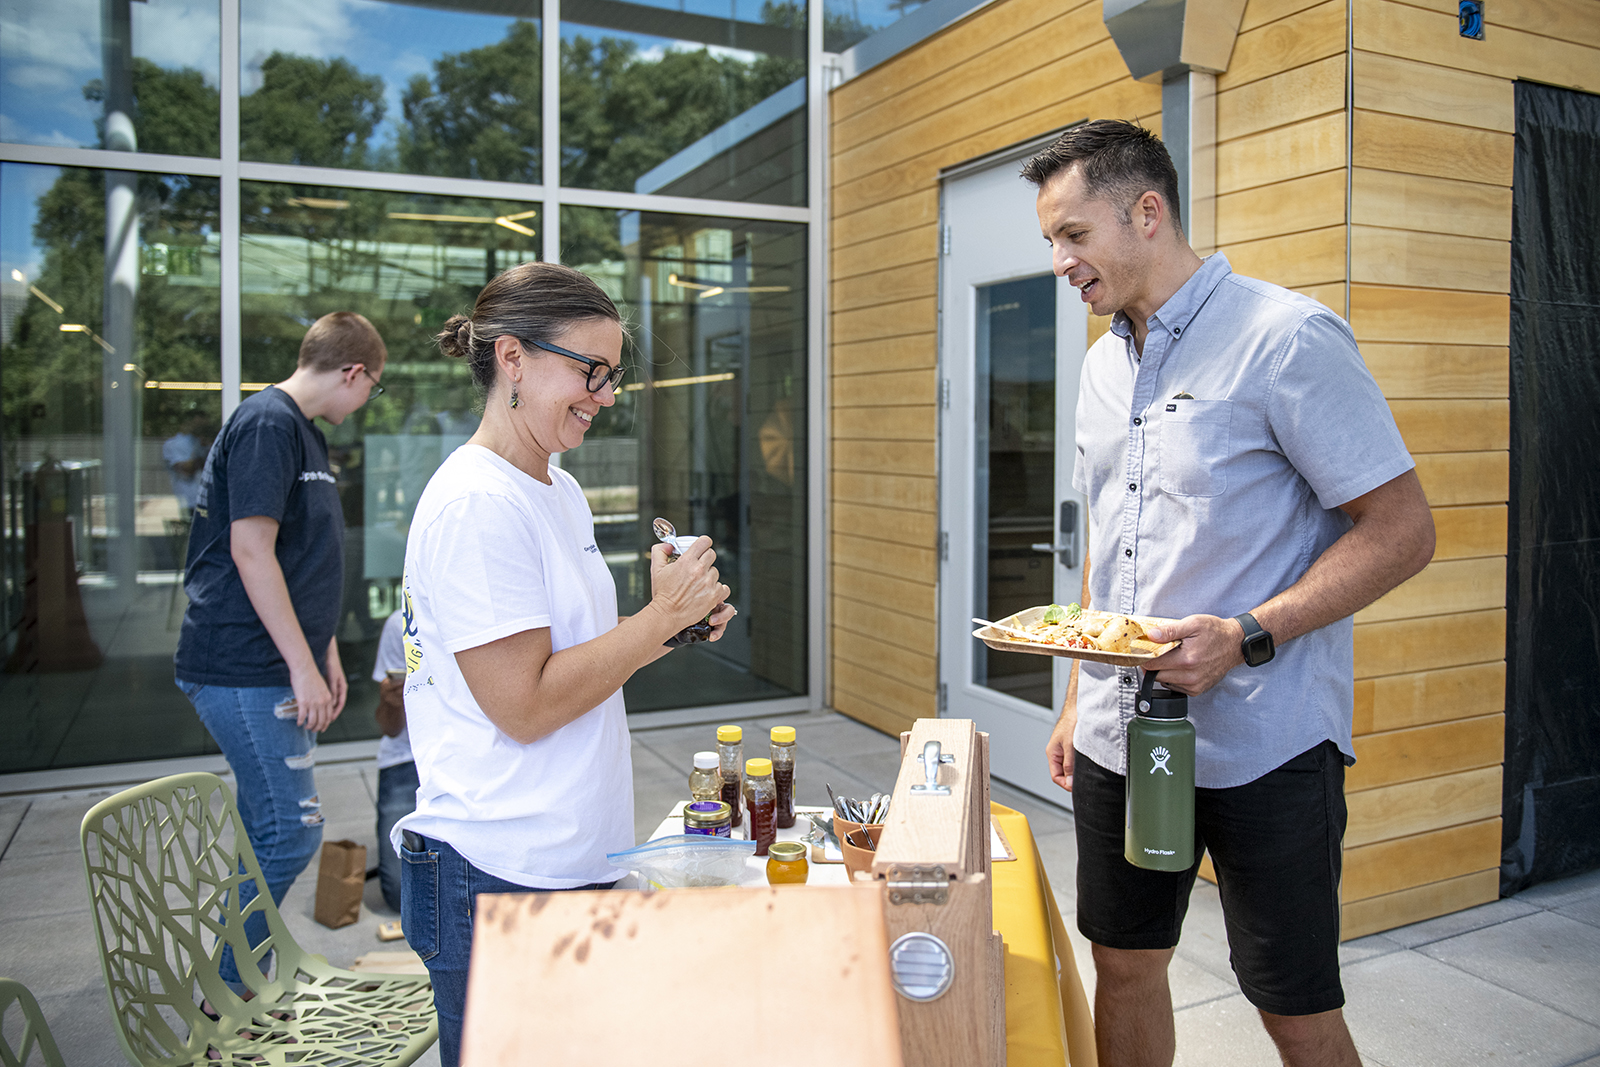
column 755, row 867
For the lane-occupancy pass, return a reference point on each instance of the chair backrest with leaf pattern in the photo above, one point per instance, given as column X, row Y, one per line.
column 164, row 862
column 25, row 1038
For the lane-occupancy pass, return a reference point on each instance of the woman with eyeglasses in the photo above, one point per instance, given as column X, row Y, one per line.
column 514, row 651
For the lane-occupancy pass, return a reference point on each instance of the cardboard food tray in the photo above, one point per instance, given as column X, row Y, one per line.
column 1003, row 642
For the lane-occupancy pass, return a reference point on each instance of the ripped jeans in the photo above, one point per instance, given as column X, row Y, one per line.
column 272, row 760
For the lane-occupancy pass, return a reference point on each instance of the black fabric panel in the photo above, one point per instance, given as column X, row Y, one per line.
column 1552, row 768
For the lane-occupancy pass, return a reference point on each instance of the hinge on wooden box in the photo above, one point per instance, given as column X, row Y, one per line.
column 918, row 884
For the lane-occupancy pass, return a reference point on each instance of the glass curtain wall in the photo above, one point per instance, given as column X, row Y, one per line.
column 391, row 158
column 710, row 433
column 110, row 381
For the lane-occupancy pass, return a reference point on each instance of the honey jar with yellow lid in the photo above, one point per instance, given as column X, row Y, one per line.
column 786, row 863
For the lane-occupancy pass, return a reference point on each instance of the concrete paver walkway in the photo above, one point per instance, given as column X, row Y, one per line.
column 1516, row 981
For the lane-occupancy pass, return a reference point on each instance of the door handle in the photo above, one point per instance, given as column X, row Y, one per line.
column 1067, row 550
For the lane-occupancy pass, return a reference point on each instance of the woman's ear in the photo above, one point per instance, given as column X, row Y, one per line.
column 508, row 354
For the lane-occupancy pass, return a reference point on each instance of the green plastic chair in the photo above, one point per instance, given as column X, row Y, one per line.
column 35, row 1033
column 164, row 863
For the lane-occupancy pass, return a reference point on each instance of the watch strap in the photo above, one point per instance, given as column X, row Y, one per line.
column 1254, row 636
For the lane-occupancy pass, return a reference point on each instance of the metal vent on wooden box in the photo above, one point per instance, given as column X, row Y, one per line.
column 921, row 966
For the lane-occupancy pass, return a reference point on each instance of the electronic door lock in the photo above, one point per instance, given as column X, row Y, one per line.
column 1067, row 550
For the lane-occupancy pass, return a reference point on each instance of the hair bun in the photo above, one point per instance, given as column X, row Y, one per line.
column 455, row 339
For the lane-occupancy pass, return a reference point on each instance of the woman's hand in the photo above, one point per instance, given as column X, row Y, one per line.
column 687, row 590
column 720, row 619
column 313, row 699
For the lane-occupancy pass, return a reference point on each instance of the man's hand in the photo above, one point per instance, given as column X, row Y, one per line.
column 1058, row 751
column 1210, row 649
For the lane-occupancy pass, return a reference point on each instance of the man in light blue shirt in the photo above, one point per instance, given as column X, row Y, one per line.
column 1244, row 477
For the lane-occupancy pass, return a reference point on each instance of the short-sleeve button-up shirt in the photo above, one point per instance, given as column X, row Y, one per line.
column 1215, row 465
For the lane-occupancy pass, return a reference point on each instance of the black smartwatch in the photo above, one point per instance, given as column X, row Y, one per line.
column 1257, row 644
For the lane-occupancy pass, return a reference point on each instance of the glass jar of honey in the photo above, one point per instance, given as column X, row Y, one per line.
column 710, row 817
column 786, row 863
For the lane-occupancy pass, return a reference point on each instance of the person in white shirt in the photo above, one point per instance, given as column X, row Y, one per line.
column 397, row 773
column 514, row 653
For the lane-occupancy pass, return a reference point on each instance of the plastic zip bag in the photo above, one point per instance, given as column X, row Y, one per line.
column 686, row 860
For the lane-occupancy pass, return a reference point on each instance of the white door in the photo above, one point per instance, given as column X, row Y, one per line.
column 1012, row 341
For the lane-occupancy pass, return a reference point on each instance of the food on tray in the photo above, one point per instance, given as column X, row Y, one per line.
column 1092, row 631
column 1119, row 634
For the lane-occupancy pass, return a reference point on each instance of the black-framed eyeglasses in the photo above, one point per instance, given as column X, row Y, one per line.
column 601, row 373
column 377, row 390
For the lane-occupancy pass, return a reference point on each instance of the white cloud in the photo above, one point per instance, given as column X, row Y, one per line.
column 63, row 36
column 57, row 46
column 15, row 131
column 48, row 77
column 320, row 28
column 179, row 33
column 655, row 53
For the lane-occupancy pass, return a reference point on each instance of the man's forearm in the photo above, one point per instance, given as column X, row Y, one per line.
column 1392, row 539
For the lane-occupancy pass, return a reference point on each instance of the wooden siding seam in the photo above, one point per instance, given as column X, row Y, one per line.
column 973, row 59
column 1368, row 164
column 1490, row 24
column 867, row 669
column 864, row 83
column 1428, row 670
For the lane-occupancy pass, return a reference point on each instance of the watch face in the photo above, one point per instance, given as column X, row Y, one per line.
column 1257, row 649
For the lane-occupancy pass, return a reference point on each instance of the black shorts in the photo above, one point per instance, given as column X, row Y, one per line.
column 1275, row 844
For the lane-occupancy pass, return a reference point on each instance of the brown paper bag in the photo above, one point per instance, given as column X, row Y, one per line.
column 341, row 879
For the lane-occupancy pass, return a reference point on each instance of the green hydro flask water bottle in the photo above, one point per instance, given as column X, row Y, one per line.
column 1159, row 835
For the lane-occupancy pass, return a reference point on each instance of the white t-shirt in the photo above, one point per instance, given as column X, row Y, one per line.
column 493, row 552
column 392, row 751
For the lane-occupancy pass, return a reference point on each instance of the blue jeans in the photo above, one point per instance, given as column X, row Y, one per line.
column 397, row 798
column 276, row 792
column 436, row 911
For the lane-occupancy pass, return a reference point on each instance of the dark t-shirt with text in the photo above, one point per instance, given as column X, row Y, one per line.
column 269, row 460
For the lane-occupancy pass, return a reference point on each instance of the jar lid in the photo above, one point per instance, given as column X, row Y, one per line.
column 759, row 767
column 707, row 812
column 783, row 735
column 729, row 734
column 705, row 761
column 787, row 851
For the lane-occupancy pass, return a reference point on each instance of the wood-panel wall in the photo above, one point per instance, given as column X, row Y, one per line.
column 1430, row 277
column 1424, row 158
column 1014, row 70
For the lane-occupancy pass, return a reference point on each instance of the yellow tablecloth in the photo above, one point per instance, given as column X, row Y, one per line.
column 1047, row 1013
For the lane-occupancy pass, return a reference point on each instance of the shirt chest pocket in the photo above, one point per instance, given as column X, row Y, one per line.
column 1194, row 443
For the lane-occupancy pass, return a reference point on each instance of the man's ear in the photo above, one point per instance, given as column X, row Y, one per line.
column 1148, row 212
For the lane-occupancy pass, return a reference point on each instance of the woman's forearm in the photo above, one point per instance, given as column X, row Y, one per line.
column 254, row 546
column 529, row 692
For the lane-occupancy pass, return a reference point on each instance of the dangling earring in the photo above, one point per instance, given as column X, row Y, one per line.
column 515, row 401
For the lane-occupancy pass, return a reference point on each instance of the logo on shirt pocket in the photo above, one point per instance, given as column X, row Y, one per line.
column 1194, row 447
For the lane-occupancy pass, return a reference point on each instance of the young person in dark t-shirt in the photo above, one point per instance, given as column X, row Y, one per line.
column 257, row 655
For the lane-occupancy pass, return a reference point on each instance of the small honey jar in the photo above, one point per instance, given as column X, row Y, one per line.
column 786, row 863
column 710, row 817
